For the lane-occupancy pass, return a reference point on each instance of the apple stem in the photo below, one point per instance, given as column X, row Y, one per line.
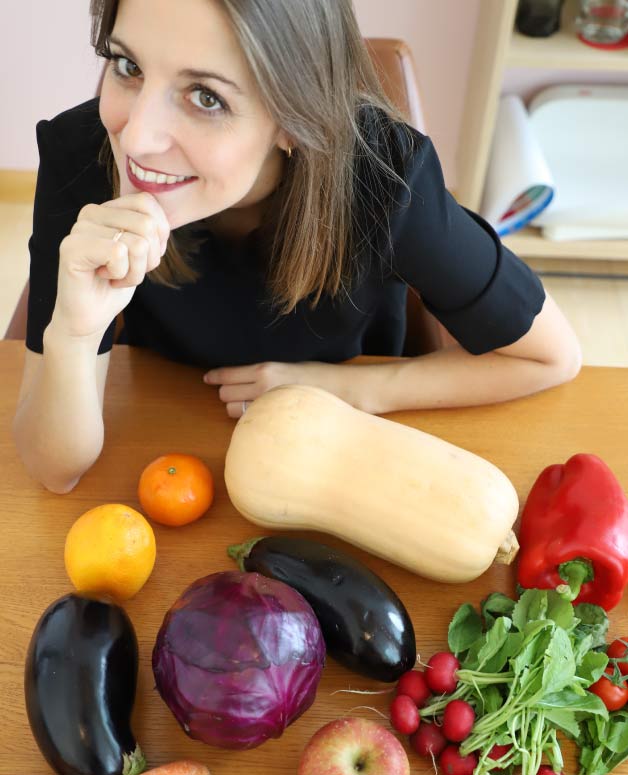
column 363, row 691
column 368, row 707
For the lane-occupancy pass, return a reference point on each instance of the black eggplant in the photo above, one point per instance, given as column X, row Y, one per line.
column 365, row 625
column 79, row 683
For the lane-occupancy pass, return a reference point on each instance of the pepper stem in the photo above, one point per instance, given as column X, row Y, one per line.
column 240, row 552
column 133, row 763
column 575, row 573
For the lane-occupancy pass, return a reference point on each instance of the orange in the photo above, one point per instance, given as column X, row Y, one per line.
column 176, row 489
column 110, row 550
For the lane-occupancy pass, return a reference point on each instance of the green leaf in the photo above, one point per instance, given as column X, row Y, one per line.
column 532, row 605
column 568, row 699
column 560, row 610
column 464, row 629
column 593, row 621
column 565, row 720
column 535, row 641
column 559, row 666
column 496, row 605
column 510, row 647
column 494, row 640
column 581, row 647
column 491, row 699
column 617, row 739
column 592, row 667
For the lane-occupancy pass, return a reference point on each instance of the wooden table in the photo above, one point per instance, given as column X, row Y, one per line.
column 153, row 407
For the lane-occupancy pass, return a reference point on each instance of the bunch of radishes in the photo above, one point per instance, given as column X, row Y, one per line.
column 429, row 739
column 439, row 739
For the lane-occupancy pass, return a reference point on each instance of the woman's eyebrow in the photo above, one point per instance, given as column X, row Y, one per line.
column 187, row 73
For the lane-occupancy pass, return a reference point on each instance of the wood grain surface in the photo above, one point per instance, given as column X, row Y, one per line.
column 153, row 407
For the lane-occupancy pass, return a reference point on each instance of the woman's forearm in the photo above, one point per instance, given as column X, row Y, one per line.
column 58, row 426
column 547, row 355
column 448, row 378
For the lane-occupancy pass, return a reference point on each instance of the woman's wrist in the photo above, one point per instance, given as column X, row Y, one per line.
column 358, row 384
column 58, row 338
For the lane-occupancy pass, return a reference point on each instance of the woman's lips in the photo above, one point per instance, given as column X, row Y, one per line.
column 154, row 188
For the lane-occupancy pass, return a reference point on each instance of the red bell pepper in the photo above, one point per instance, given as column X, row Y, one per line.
column 574, row 529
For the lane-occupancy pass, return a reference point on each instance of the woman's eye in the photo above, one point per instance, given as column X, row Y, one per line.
column 206, row 100
column 125, row 67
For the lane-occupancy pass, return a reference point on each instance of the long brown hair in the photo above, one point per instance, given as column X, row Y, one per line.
column 314, row 74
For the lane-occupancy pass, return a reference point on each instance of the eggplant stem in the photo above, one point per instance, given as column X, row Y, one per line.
column 133, row 763
column 240, row 552
column 507, row 549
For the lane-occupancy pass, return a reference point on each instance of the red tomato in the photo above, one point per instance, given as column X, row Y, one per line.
column 619, row 650
column 614, row 697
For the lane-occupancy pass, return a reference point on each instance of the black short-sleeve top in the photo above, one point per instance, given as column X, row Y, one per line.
column 482, row 293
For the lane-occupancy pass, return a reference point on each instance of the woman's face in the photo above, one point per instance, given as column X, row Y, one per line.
column 183, row 112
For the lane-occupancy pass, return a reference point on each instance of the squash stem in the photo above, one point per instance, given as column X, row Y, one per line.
column 240, row 552
column 508, row 549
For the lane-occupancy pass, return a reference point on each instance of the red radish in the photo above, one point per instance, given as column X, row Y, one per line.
column 428, row 740
column 451, row 763
column 545, row 770
column 413, row 684
column 458, row 720
column 404, row 715
column 441, row 672
column 497, row 751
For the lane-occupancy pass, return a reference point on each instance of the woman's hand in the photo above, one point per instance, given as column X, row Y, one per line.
column 239, row 385
column 97, row 274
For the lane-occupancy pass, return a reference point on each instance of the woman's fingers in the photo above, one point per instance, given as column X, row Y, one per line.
column 138, row 259
column 237, row 408
column 238, row 393
column 144, row 205
column 104, row 221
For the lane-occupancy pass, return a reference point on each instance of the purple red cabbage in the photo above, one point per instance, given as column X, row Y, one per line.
column 238, row 658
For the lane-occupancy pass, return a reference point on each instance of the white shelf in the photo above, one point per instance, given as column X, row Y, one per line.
column 564, row 50
column 529, row 243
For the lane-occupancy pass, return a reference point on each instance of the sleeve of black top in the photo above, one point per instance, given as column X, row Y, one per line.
column 479, row 290
column 56, row 208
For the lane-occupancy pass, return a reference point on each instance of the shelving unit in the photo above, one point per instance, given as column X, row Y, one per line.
column 499, row 47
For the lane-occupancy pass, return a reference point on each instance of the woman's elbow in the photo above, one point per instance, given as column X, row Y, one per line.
column 52, row 476
column 567, row 363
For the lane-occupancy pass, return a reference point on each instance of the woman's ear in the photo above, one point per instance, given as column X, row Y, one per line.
column 285, row 143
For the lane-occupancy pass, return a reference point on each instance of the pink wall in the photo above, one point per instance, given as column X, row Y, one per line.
column 440, row 35
column 47, row 65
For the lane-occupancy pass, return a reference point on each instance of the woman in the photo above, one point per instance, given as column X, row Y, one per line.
column 243, row 156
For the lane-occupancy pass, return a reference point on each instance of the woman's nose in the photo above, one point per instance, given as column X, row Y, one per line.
column 148, row 127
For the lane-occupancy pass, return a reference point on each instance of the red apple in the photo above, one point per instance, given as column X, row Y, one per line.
column 354, row 745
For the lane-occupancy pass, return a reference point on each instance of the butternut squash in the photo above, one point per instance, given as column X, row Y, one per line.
column 301, row 458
